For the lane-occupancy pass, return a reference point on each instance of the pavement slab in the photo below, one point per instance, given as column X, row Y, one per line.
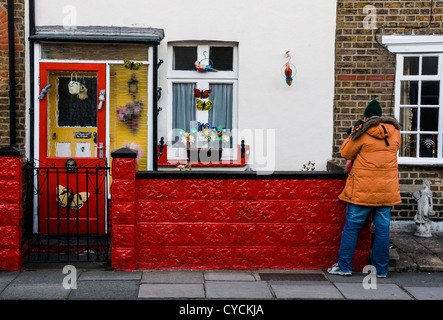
column 306, row 291
column 171, row 290
column 173, row 276
column 426, row 293
column 106, row 290
column 229, row 276
column 238, row 290
column 356, row 291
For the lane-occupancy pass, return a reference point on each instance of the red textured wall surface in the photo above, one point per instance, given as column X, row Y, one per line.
column 238, row 224
column 11, row 213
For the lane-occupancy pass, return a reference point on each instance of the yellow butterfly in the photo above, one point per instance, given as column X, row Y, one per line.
column 204, row 105
column 132, row 65
column 76, row 201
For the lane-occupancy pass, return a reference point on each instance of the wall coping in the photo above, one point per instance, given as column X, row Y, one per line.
column 11, row 152
column 250, row 175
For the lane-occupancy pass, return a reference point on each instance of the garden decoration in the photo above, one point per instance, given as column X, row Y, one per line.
column 288, row 70
column 67, row 197
column 199, row 66
column 101, row 98
column 130, row 113
column 204, row 105
column 132, row 65
column 74, row 85
column 202, row 94
column 424, row 210
column 310, row 166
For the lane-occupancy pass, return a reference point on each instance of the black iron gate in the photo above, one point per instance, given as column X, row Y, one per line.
column 66, row 213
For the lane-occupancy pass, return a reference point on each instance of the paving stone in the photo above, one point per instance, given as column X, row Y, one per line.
column 428, row 262
column 172, row 276
column 383, row 292
column 426, row 293
column 238, row 290
column 229, row 276
column 171, row 290
column 45, row 276
column 110, row 275
column 97, row 290
column 35, row 292
column 418, row 279
column 296, row 291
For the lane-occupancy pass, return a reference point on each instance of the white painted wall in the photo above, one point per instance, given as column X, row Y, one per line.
column 301, row 114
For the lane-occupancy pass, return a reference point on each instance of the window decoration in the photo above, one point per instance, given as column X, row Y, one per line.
column 201, row 67
column 132, row 65
column 288, row 70
column 202, row 104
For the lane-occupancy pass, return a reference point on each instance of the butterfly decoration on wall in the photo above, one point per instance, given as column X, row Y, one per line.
column 132, row 65
column 67, row 198
column 202, row 94
column 204, row 105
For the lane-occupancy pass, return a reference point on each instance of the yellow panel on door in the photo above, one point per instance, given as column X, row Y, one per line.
column 128, row 110
column 72, row 116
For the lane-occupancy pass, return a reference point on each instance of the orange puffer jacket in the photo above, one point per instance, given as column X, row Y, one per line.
column 373, row 179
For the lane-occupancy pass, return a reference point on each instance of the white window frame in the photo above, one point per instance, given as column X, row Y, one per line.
column 202, row 80
column 418, row 46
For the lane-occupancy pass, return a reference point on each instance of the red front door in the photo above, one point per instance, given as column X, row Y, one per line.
column 71, row 185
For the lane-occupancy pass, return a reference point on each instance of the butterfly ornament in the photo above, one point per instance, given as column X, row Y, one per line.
column 132, row 65
column 67, row 198
column 203, row 105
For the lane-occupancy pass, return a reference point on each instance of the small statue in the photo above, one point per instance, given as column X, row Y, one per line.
column 424, row 210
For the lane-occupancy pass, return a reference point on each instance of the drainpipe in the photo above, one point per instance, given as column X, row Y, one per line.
column 31, row 77
column 154, row 108
column 11, row 47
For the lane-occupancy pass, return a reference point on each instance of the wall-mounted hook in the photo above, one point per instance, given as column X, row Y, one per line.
column 161, row 146
column 160, row 62
column 44, row 91
column 159, row 93
column 159, row 109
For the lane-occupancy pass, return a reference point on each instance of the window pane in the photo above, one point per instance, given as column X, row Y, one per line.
column 183, row 109
column 408, row 145
column 221, row 58
column 221, row 112
column 429, row 119
column 429, row 66
column 410, row 66
column 409, row 92
column 184, row 58
column 428, row 146
column 430, row 91
column 408, row 119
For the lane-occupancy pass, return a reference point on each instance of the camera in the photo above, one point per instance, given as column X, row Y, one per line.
column 358, row 123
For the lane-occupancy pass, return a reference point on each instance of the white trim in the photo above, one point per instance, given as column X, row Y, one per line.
column 413, row 43
column 150, row 112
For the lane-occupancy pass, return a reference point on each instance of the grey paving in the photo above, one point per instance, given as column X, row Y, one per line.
column 171, row 290
column 306, row 291
column 238, row 290
column 426, row 293
column 173, row 276
column 34, row 292
column 229, row 276
column 356, row 291
column 108, row 290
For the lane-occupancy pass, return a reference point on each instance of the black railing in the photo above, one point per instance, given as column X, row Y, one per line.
column 66, row 213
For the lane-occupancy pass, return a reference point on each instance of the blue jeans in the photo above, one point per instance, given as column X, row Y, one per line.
column 355, row 217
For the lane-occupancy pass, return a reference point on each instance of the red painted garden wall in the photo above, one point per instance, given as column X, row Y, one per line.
column 207, row 220
column 11, row 210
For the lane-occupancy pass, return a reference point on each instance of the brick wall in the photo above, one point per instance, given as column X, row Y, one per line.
column 365, row 71
column 194, row 222
column 19, row 16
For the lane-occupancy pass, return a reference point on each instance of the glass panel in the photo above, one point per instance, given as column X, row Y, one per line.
column 408, row 145
column 221, row 58
column 430, row 91
column 221, row 113
column 429, row 119
column 72, row 114
column 409, row 93
column 183, row 109
column 428, row 146
column 410, row 66
column 184, row 58
column 429, row 66
column 128, row 111
column 408, row 119
column 74, row 51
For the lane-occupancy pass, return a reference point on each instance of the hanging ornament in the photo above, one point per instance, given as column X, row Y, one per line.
column 288, row 70
column 201, row 67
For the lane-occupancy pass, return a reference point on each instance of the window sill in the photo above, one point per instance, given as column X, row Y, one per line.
column 420, row 162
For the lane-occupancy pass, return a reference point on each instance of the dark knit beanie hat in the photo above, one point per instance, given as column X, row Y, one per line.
column 373, row 109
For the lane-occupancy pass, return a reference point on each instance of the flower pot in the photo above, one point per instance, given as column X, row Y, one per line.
column 204, row 155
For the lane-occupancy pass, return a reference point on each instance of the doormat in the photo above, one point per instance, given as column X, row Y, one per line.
column 292, row 276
